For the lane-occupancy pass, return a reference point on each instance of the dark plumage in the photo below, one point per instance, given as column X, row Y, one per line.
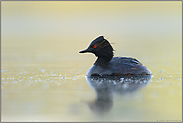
column 107, row 65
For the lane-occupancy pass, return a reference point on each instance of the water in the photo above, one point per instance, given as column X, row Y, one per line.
column 43, row 74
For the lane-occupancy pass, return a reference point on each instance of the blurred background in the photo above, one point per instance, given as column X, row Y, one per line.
column 43, row 38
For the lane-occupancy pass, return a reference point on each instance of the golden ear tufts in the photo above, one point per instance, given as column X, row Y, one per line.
column 102, row 42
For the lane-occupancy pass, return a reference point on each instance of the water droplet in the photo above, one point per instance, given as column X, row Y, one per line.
column 43, row 70
column 47, row 79
column 31, row 77
column 121, row 79
column 179, row 79
column 160, row 71
column 63, row 77
column 2, row 78
column 39, row 80
column 170, row 76
column 11, row 78
column 5, row 81
column 160, row 78
column 53, row 74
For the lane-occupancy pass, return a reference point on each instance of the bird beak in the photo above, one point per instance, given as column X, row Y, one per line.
column 84, row 51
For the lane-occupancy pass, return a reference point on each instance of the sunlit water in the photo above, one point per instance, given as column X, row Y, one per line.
column 59, row 94
column 43, row 74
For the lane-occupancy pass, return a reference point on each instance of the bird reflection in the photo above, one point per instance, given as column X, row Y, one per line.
column 106, row 87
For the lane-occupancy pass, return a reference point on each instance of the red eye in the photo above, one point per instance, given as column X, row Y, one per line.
column 94, row 46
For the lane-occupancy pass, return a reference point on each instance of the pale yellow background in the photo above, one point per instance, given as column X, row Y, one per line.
column 42, row 39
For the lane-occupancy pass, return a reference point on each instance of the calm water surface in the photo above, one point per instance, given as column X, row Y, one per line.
column 43, row 74
column 61, row 92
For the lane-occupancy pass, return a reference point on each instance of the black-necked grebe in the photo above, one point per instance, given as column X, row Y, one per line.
column 107, row 65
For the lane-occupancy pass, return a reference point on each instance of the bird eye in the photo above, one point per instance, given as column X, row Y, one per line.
column 94, row 46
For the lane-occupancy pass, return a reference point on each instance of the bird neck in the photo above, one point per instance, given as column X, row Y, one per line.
column 102, row 61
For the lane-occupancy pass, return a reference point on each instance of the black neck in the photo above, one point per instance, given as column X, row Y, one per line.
column 102, row 61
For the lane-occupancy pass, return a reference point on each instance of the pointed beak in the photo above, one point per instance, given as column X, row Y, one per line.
column 84, row 51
